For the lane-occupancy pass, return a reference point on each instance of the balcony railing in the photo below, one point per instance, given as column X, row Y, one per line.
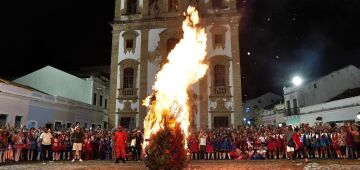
column 292, row 111
column 127, row 93
column 220, row 91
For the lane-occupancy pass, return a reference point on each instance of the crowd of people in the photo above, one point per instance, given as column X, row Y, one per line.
column 72, row 144
column 244, row 143
column 286, row 142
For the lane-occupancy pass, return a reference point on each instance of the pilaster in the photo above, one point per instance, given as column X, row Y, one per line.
column 204, row 99
column 145, row 8
column 113, row 76
column 143, row 75
column 235, row 52
column 117, row 9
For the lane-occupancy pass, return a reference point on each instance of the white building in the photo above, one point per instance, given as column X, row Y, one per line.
column 338, row 111
column 307, row 98
column 250, row 106
column 322, row 89
column 144, row 32
column 24, row 106
column 273, row 115
column 91, row 90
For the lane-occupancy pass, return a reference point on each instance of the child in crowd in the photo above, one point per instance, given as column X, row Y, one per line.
column 67, row 147
column 56, row 147
column 209, row 148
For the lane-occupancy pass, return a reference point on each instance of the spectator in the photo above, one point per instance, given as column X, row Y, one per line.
column 120, row 140
column 45, row 139
column 78, row 135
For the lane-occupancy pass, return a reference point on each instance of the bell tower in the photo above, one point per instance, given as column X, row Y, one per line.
column 145, row 31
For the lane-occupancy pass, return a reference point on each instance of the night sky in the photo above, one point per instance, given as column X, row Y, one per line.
column 278, row 38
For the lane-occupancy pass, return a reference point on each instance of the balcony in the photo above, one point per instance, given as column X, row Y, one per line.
column 127, row 94
column 292, row 111
column 220, row 91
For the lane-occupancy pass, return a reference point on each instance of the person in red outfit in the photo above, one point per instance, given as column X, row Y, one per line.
column 194, row 146
column 88, row 148
column 299, row 147
column 120, row 140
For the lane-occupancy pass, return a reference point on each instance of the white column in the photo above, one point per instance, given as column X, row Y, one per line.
column 233, row 120
column 209, row 121
column 137, row 120
column 116, row 120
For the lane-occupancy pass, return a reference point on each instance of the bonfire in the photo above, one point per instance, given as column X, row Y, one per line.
column 166, row 126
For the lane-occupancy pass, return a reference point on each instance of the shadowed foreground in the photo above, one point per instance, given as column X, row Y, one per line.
column 194, row 165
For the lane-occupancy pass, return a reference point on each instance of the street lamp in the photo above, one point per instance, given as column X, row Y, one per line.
column 358, row 116
column 297, row 81
column 248, row 122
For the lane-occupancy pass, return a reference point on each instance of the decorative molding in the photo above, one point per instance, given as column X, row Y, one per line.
column 154, row 7
column 127, row 108
column 125, row 11
column 223, row 91
column 130, row 36
column 218, row 30
column 155, row 55
column 221, row 106
column 160, row 53
column 128, row 93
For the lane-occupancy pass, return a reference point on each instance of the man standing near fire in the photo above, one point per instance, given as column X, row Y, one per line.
column 120, row 140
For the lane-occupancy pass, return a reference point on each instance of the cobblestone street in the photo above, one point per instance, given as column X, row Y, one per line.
column 194, row 165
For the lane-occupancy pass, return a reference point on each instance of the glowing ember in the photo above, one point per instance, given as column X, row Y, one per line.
column 169, row 105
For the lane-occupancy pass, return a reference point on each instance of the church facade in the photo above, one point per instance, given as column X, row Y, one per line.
column 145, row 31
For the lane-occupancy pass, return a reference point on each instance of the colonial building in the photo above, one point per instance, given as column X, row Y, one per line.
column 89, row 93
column 145, row 31
column 325, row 98
column 265, row 100
column 25, row 106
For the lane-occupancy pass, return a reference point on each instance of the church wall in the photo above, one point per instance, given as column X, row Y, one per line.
column 151, row 37
column 130, row 55
column 216, row 52
column 122, row 5
column 153, row 67
column 219, row 51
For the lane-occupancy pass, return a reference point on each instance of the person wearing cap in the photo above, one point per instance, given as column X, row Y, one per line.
column 78, row 135
column 120, row 139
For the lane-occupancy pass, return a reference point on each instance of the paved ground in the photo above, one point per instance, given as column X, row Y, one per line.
column 194, row 165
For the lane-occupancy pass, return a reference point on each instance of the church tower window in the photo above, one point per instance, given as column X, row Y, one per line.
column 128, row 81
column 131, row 7
column 130, row 41
column 219, row 79
column 128, row 76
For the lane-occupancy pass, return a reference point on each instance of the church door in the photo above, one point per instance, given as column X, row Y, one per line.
column 222, row 121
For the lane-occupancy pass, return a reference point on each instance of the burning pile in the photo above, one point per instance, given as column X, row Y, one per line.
column 167, row 122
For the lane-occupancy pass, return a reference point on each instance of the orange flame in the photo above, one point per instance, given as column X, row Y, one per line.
column 185, row 67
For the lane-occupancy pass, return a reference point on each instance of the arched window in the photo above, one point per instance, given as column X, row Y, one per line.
column 128, row 76
column 131, row 7
column 219, row 75
column 128, row 81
